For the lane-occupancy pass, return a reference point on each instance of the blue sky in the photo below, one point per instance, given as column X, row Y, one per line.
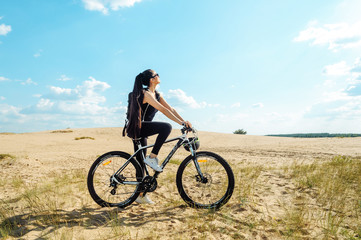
column 266, row 66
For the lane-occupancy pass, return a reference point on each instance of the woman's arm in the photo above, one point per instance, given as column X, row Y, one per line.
column 166, row 105
column 149, row 98
column 175, row 113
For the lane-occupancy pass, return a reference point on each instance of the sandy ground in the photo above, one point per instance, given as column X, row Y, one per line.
column 41, row 155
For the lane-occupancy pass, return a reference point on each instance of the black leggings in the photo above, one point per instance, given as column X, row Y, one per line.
column 163, row 130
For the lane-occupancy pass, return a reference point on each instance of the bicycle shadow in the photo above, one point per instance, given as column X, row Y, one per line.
column 20, row 225
column 146, row 216
column 88, row 218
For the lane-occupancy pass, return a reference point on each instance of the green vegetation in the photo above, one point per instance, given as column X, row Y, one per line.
column 247, row 179
column 175, row 161
column 240, row 131
column 40, row 205
column 322, row 201
column 62, row 131
column 79, row 138
column 6, row 156
column 316, row 135
column 335, row 187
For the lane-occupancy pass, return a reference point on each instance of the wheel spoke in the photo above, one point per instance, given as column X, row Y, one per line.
column 101, row 187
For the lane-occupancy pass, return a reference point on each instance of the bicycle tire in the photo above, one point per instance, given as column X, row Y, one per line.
column 203, row 195
column 99, row 180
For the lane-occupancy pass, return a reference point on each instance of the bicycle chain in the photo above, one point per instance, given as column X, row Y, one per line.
column 149, row 184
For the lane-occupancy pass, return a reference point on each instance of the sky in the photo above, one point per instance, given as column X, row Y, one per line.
column 265, row 66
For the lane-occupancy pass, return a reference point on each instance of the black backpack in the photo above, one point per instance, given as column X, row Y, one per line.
column 126, row 124
column 127, row 115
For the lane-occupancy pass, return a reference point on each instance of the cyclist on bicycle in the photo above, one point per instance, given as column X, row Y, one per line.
column 144, row 103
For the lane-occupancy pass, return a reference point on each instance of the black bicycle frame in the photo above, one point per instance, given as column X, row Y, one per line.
column 181, row 140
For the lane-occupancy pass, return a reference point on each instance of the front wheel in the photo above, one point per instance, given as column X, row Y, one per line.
column 211, row 191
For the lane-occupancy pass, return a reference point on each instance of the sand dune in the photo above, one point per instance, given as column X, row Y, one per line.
column 43, row 189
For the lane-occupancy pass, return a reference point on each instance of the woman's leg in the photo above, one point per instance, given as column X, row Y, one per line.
column 143, row 142
column 139, row 158
column 148, row 129
column 163, row 130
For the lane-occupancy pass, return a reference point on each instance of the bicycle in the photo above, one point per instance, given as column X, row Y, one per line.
column 116, row 178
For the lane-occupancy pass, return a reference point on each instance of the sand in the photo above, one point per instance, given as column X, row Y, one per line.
column 42, row 155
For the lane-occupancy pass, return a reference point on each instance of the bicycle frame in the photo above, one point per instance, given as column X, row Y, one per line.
column 181, row 140
column 117, row 178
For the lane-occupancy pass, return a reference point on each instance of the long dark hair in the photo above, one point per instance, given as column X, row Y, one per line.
column 136, row 101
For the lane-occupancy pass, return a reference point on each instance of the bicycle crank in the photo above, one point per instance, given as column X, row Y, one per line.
column 149, row 184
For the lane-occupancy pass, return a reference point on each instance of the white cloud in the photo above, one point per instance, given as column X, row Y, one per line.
column 81, row 106
column 64, row 78
column 104, row 5
column 348, row 10
column 95, row 85
column 95, row 5
column 3, row 79
column 62, row 93
column 231, row 118
column 342, row 75
column 38, row 53
column 341, row 100
column 89, row 91
column 344, row 103
column 354, row 89
column 83, row 99
column 45, row 104
column 345, row 107
column 336, row 36
column 4, row 29
column 329, row 83
column 2, row 98
column 8, row 113
column 116, row 4
column 29, row 82
column 236, row 105
column 215, row 105
column 337, row 69
column 258, row 105
column 356, row 68
column 182, row 99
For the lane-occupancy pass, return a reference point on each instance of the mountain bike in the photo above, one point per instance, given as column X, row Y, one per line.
column 204, row 179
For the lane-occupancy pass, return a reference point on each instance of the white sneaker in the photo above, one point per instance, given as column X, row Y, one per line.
column 153, row 163
column 144, row 200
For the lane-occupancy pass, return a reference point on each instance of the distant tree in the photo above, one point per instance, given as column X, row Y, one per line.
column 240, row 131
column 317, row 135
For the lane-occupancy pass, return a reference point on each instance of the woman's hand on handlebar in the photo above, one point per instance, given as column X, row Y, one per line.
column 187, row 124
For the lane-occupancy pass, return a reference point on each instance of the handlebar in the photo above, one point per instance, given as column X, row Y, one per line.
column 187, row 129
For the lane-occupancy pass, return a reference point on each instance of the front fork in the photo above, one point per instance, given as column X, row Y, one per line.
column 200, row 177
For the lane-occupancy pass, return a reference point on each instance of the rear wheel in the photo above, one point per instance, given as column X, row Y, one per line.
column 120, row 190
column 216, row 187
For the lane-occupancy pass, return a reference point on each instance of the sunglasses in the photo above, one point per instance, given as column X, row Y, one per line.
column 157, row 75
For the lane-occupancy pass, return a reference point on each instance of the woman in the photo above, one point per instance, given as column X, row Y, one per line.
column 144, row 104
